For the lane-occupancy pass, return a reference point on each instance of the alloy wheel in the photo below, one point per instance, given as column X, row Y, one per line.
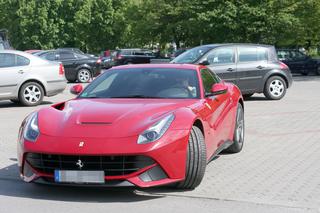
column 276, row 88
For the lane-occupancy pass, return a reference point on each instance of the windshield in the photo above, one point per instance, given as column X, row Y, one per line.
column 192, row 55
column 145, row 83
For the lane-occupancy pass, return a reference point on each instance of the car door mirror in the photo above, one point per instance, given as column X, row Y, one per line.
column 204, row 62
column 219, row 88
column 76, row 89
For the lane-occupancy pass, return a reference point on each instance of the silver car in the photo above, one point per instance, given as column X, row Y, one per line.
column 26, row 79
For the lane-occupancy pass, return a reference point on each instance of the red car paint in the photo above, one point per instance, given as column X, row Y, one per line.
column 110, row 127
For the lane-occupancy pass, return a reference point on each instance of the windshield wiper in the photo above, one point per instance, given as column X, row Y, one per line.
column 135, row 96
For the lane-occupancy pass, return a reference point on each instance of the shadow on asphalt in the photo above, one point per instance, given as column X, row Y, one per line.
column 11, row 185
column 306, row 78
column 8, row 104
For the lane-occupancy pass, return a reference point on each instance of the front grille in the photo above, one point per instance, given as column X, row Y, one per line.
column 111, row 165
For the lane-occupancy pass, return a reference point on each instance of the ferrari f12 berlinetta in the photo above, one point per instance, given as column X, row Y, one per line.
column 135, row 125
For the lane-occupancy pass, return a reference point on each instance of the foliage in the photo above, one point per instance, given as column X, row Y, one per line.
column 95, row 25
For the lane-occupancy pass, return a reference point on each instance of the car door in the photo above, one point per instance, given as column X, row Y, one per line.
column 215, row 110
column 222, row 61
column 13, row 68
column 252, row 63
column 69, row 62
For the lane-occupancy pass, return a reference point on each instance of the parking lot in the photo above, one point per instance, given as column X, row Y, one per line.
column 277, row 171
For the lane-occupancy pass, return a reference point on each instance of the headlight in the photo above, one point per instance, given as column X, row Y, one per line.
column 156, row 130
column 31, row 130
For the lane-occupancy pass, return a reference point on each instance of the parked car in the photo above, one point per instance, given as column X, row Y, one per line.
column 26, row 79
column 33, row 51
column 78, row 67
column 143, row 125
column 4, row 41
column 299, row 62
column 253, row 68
column 132, row 56
column 76, row 50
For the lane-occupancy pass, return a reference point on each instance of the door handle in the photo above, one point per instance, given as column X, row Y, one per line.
column 230, row 69
column 20, row 71
column 260, row 67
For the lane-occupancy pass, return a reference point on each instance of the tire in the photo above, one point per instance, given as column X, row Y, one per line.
column 31, row 94
column 238, row 135
column 196, row 160
column 275, row 88
column 247, row 95
column 318, row 70
column 84, row 76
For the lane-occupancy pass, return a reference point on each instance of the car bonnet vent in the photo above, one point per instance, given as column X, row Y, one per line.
column 59, row 106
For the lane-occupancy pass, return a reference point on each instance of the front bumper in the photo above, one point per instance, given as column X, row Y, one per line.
column 168, row 155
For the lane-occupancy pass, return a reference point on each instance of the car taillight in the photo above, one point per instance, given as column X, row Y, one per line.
column 61, row 70
column 283, row 66
column 99, row 61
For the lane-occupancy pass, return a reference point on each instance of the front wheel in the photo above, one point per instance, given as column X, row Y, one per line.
column 196, row 160
column 275, row 88
column 31, row 94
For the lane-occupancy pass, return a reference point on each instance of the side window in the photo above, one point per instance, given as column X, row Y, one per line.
column 221, row 56
column 51, row 56
column 66, row 55
column 22, row 61
column 7, row 60
column 283, row 55
column 248, row 54
column 208, row 79
column 1, row 46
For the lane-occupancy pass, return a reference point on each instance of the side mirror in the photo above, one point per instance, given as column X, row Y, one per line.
column 76, row 89
column 204, row 62
column 219, row 88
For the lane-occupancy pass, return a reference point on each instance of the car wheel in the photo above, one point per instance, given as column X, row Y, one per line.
column 318, row 71
column 238, row 135
column 31, row 94
column 196, row 160
column 84, row 76
column 247, row 95
column 275, row 88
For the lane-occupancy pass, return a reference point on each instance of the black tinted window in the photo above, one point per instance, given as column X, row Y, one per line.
column 7, row 60
column 51, row 56
column 249, row 54
column 208, row 79
column 66, row 55
column 22, row 61
column 192, row 55
column 225, row 55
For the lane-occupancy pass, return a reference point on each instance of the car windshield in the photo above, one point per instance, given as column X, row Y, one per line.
column 192, row 55
column 145, row 83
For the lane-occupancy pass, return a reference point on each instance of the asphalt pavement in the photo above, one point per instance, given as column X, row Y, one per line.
column 277, row 171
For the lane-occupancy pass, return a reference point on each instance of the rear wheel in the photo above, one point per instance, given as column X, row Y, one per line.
column 238, row 136
column 196, row 160
column 84, row 76
column 31, row 94
column 275, row 88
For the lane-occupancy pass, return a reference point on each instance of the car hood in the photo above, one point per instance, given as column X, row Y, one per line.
column 105, row 118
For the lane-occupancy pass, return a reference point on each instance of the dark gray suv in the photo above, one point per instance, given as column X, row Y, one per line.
column 253, row 68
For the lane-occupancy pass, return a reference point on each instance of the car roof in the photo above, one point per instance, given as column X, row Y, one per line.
column 25, row 54
column 233, row 44
column 173, row 66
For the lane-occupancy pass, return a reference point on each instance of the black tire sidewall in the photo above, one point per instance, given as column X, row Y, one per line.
column 268, row 94
column 21, row 92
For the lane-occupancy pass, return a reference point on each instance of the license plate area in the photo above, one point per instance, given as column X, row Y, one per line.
column 75, row 176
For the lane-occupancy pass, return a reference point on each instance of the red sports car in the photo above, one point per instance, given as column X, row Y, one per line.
column 138, row 125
